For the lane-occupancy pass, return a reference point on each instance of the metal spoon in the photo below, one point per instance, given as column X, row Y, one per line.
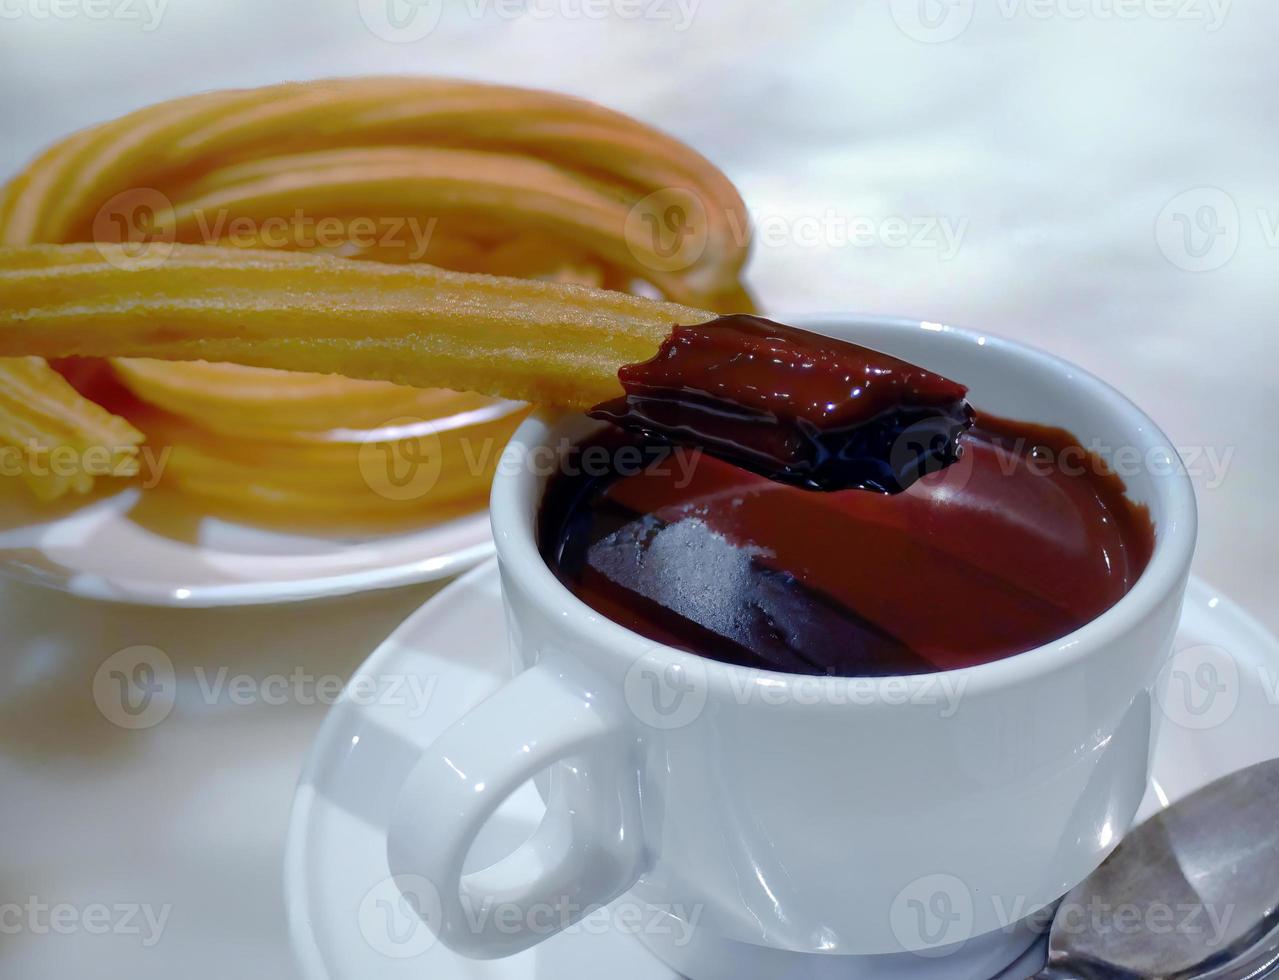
column 1191, row 894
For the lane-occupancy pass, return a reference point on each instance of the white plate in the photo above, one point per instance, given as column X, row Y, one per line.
column 160, row 549
column 346, row 917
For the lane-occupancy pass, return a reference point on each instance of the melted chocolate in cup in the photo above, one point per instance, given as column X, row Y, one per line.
column 794, row 406
column 1025, row 539
column 982, row 543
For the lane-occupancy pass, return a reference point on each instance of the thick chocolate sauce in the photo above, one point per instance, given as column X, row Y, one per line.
column 1024, row 539
column 808, row 410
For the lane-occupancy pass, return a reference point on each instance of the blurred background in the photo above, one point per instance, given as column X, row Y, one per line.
column 1096, row 177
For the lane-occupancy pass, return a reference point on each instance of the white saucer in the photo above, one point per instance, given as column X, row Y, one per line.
column 160, row 549
column 348, row 920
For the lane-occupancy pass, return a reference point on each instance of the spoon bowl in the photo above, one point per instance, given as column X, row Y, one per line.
column 1191, row 894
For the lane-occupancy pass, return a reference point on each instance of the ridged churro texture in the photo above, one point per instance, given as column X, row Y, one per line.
column 546, row 342
column 192, row 215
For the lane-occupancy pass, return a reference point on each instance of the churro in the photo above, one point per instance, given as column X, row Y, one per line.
column 263, row 403
column 394, row 171
column 817, row 412
column 55, row 440
column 378, row 473
column 412, row 325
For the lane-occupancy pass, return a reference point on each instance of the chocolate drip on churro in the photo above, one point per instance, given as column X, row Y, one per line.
column 794, row 406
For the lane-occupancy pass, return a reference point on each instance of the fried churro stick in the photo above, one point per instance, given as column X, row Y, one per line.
column 817, row 412
column 494, row 179
column 166, row 147
column 490, row 189
column 58, row 440
column 415, row 325
column 261, row 403
column 359, row 480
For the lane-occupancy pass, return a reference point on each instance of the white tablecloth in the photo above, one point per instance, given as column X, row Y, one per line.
column 1052, row 162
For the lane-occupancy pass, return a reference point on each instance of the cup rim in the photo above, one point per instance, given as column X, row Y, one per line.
column 514, row 534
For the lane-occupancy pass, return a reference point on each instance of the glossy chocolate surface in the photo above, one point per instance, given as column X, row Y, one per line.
column 794, row 406
column 1024, row 539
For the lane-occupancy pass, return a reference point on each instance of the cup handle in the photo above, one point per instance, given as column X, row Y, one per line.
column 586, row 851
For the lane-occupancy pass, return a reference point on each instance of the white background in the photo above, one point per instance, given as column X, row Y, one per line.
column 1067, row 141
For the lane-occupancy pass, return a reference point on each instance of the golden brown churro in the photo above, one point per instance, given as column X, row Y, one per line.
column 40, row 412
column 399, row 171
column 412, row 325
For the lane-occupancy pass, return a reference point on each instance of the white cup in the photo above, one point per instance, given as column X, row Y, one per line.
column 768, row 822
